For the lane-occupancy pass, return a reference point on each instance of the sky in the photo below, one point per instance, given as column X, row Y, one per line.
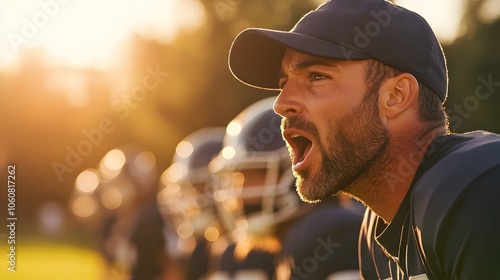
column 442, row 15
column 83, row 32
column 89, row 32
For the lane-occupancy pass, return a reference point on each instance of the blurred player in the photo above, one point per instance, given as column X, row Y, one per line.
column 132, row 239
column 254, row 192
column 187, row 201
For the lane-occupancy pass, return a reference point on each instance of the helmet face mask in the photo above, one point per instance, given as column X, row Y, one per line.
column 254, row 187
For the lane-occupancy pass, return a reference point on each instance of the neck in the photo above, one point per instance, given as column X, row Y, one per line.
column 384, row 186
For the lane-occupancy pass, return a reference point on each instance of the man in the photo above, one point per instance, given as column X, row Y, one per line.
column 362, row 85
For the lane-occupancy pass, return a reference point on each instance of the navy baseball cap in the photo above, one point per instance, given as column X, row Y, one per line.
column 346, row 30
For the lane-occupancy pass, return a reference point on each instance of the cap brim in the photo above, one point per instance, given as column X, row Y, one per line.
column 256, row 54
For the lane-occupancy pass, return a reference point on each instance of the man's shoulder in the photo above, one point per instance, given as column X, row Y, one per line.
column 468, row 155
column 438, row 189
column 477, row 139
column 463, row 143
column 447, row 206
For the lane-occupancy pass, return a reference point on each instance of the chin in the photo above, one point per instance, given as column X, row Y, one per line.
column 314, row 190
column 308, row 191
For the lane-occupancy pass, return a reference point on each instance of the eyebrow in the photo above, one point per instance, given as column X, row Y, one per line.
column 308, row 62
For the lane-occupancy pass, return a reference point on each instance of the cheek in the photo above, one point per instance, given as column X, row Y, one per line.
column 338, row 102
column 327, row 108
column 326, row 123
column 327, row 115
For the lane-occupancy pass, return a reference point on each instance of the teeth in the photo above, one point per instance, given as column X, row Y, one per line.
column 295, row 135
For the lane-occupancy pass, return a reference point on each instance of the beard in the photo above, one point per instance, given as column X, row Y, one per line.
column 357, row 142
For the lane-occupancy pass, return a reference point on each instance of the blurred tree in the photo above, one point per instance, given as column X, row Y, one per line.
column 474, row 73
column 48, row 113
column 470, row 18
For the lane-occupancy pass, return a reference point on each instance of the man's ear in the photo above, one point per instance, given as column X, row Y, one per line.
column 397, row 95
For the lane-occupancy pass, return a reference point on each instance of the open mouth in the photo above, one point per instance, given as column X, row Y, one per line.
column 301, row 147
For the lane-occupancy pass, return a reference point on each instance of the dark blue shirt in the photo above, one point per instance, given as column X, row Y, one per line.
column 447, row 227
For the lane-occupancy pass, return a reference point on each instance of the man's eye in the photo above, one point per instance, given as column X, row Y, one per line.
column 317, row 76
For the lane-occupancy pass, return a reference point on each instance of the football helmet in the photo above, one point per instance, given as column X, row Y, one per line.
column 255, row 187
column 186, row 188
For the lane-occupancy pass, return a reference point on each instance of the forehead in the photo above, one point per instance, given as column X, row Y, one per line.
column 296, row 61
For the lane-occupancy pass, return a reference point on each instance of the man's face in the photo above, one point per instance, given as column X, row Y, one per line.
column 330, row 122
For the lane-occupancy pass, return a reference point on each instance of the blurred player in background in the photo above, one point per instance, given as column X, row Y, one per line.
column 122, row 193
column 186, row 199
column 253, row 192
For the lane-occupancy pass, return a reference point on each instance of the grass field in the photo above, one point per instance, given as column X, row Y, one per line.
column 52, row 260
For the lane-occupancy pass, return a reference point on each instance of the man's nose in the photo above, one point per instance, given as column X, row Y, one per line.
column 287, row 102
